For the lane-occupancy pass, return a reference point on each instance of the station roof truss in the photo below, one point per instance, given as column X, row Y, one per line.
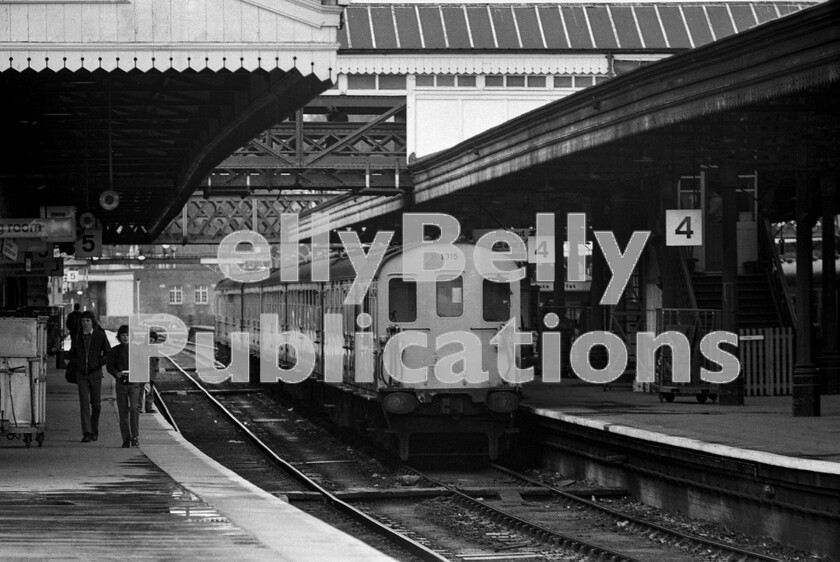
column 334, row 144
column 767, row 98
column 144, row 101
column 209, row 219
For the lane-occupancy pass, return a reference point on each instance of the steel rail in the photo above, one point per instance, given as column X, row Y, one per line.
column 167, row 415
column 411, row 546
column 673, row 534
column 542, row 534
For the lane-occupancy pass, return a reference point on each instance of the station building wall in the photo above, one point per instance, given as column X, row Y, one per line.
column 185, row 291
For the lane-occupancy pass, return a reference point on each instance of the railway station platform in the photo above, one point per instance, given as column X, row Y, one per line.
column 163, row 500
column 763, row 430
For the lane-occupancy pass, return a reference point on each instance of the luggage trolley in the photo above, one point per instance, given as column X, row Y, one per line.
column 694, row 324
column 23, row 377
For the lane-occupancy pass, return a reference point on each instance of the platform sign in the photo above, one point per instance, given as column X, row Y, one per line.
column 570, row 286
column 10, row 249
column 541, row 249
column 89, row 244
column 34, row 267
column 55, row 229
column 684, row 227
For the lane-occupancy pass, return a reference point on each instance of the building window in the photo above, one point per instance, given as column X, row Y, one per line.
column 494, row 81
column 536, row 81
column 466, row 81
column 376, row 81
column 392, row 82
column 176, row 295
column 361, row 81
column 445, row 80
column 425, row 80
column 563, row 82
column 514, row 81
column 201, row 294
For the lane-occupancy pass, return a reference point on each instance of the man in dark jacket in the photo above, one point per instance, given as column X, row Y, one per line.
column 88, row 353
column 72, row 322
column 128, row 393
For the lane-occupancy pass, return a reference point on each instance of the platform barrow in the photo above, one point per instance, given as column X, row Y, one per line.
column 23, row 378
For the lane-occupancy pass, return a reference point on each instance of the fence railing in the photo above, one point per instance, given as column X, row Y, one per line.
column 767, row 359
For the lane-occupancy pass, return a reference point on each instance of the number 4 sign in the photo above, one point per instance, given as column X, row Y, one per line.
column 684, row 227
column 89, row 245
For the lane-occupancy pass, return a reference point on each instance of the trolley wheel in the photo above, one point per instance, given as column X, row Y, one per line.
column 27, row 440
column 669, row 396
column 40, row 439
column 701, row 397
column 713, row 397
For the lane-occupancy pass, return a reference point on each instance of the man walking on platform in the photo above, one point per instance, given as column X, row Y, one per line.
column 88, row 353
column 72, row 322
column 128, row 393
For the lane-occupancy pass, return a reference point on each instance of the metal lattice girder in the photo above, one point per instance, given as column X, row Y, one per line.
column 208, row 221
column 315, row 154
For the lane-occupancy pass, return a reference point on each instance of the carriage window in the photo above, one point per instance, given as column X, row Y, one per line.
column 450, row 298
column 496, row 297
column 402, row 300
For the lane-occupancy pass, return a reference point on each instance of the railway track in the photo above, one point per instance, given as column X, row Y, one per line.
column 641, row 526
column 437, row 519
column 594, row 530
column 262, row 465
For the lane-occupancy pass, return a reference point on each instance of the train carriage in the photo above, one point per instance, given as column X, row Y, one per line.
column 464, row 390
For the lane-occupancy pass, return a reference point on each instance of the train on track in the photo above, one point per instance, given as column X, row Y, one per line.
column 393, row 401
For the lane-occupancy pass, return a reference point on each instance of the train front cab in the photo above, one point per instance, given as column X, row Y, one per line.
column 483, row 403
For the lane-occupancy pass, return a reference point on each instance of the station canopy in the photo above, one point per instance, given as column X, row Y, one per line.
column 120, row 109
column 766, row 99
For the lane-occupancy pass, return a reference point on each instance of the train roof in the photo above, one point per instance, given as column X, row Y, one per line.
column 340, row 267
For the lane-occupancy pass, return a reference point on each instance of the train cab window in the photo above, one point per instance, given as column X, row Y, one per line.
column 496, row 301
column 450, row 298
column 402, row 300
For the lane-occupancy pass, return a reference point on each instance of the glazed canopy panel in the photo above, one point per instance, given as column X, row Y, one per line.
column 567, row 26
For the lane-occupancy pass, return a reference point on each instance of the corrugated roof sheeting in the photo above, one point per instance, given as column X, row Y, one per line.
column 643, row 26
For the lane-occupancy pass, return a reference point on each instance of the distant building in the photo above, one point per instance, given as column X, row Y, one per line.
column 127, row 283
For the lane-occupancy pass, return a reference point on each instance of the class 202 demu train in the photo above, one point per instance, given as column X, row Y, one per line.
column 414, row 356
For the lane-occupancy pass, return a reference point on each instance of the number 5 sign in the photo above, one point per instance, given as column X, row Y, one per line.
column 684, row 227
column 89, row 245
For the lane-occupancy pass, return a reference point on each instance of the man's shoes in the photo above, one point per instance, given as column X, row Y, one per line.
column 135, row 442
column 94, row 436
column 151, row 411
column 87, row 438
column 126, row 443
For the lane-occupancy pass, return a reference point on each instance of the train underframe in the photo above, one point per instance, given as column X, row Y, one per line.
column 445, row 415
column 451, row 415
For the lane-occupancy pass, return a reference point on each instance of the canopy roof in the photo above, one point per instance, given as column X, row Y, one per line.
column 127, row 97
